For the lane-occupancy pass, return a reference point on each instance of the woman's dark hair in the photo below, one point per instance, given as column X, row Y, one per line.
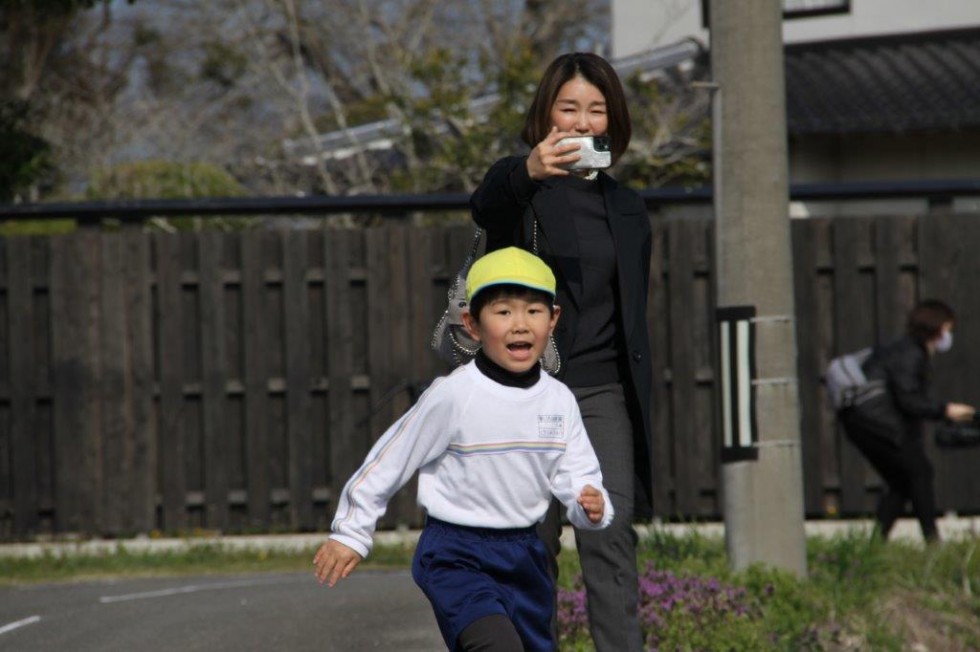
column 508, row 290
column 595, row 70
column 927, row 318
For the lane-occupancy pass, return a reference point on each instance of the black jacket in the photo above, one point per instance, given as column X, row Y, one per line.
column 505, row 205
column 906, row 367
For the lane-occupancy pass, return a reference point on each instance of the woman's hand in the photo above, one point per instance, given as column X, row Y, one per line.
column 959, row 411
column 545, row 159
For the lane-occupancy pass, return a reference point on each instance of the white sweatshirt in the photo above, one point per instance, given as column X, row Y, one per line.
column 488, row 455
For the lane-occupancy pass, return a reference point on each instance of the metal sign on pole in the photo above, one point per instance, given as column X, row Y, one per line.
column 736, row 347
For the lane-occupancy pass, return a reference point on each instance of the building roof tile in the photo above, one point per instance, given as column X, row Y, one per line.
column 898, row 83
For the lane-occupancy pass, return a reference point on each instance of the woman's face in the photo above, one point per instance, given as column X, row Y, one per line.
column 580, row 108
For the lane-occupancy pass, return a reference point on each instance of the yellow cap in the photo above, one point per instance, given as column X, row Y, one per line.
column 512, row 266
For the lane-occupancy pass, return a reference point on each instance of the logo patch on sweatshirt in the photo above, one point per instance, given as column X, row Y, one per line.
column 551, row 426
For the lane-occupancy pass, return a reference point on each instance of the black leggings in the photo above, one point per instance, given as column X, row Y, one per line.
column 900, row 459
column 490, row 634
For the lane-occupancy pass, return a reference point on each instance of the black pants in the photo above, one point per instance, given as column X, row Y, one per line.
column 608, row 556
column 900, row 459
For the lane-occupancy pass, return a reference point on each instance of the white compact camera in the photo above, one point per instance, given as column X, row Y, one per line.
column 594, row 151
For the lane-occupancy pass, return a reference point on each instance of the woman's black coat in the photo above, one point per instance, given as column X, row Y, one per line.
column 505, row 205
column 905, row 365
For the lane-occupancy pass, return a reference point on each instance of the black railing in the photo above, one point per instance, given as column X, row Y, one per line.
column 399, row 205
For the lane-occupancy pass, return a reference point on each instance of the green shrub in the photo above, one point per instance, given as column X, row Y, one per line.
column 858, row 595
column 25, row 158
column 156, row 179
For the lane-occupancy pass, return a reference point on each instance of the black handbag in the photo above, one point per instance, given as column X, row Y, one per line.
column 952, row 434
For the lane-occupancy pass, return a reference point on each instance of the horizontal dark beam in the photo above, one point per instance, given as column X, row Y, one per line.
column 388, row 205
column 932, row 189
column 399, row 206
column 940, row 189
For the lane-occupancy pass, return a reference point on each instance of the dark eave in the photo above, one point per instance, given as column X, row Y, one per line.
column 891, row 84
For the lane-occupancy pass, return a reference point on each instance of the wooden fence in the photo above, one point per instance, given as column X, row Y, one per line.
column 234, row 381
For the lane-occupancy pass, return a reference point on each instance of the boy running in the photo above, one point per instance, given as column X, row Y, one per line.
column 492, row 442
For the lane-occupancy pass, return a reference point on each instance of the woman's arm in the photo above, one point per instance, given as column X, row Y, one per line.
column 907, row 373
column 500, row 200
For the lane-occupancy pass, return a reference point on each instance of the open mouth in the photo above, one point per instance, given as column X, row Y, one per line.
column 519, row 346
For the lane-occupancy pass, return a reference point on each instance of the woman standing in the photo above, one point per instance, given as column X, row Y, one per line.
column 596, row 236
column 889, row 435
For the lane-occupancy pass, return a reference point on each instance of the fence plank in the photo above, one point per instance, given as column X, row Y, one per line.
column 850, row 311
column 128, row 440
column 663, row 490
column 298, row 379
column 7, row 488
column 682, row 236
column 379, row 331
column 24, row 428
column 114, row 388
column 213, row 374
column 890, row 303
column 707, row 446
column 343, row 450
column 172, row 410
column 42, row 378
column 137, row 300
column 388, row 333
column 319, row 415
column 421, row 244
column 419, row 361
column 809, row 370
column 829, row 441
column 75, row 265
column 256, row 375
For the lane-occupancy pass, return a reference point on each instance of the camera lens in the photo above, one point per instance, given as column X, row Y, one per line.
column 601, row 143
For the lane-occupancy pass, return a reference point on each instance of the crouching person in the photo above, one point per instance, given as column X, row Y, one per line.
column 493, row 441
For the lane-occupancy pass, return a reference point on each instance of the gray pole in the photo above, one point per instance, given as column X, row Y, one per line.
column 763, row 498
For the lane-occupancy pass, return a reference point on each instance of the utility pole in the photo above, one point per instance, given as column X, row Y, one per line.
column 762, row 479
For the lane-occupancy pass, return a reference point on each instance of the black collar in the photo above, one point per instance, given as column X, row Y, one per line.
column 495, row 372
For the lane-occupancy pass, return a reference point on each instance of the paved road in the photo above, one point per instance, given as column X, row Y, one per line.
column 371, row 610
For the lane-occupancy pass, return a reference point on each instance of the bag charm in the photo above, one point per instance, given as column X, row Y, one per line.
column 450, row 339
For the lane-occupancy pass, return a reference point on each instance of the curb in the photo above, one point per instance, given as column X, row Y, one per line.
column 950, row 528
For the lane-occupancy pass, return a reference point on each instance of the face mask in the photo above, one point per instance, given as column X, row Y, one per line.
column 945, row 342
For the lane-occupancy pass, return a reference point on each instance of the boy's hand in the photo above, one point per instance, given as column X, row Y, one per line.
column 334, row 561
column 592, row 502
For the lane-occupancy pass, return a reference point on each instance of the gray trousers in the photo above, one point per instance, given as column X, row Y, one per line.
column 608, row 556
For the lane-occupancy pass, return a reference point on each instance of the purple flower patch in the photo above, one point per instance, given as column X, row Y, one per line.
column 666, row 601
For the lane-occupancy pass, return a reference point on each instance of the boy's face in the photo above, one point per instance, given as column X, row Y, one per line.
column 513, row 331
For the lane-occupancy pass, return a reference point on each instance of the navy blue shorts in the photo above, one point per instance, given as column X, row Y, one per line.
column 468, row 573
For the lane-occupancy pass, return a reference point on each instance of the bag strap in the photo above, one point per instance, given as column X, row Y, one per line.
column 551, row 339
column 534, row 235
column 474, row 248
column 467, row 263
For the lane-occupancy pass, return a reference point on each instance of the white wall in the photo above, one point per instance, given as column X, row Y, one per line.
column 639, row 25
column 885, row 157
column 882, row 157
